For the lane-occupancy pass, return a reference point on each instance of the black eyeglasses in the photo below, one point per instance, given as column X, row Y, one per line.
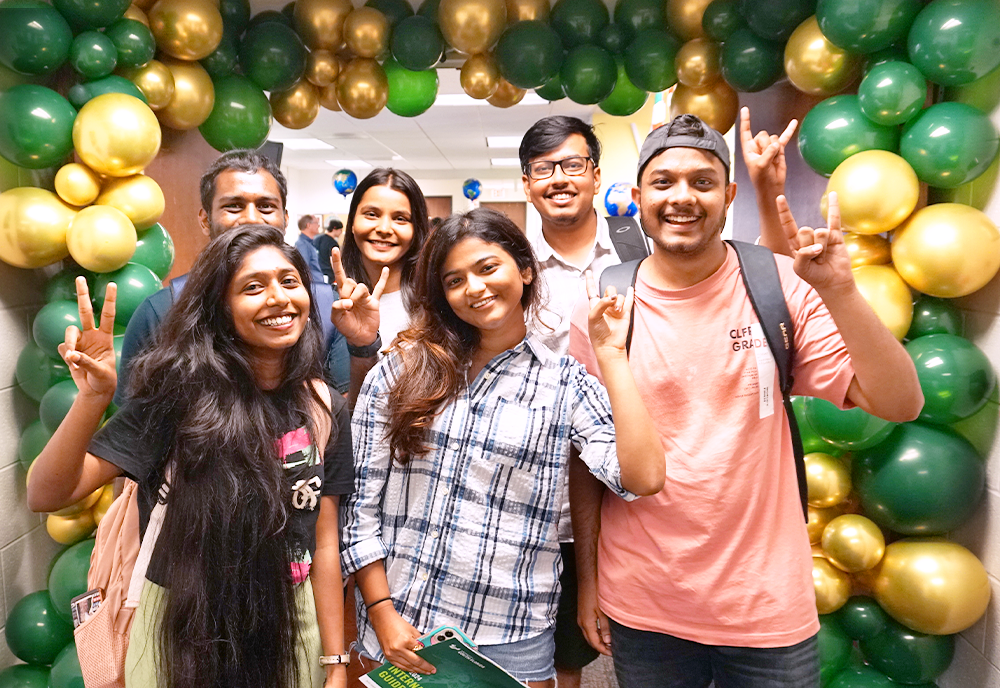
column 572, row 166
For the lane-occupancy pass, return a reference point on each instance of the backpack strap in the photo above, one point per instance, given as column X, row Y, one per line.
column 622, row 276
column 627, row 238
column 760, row 277
column 148, row 545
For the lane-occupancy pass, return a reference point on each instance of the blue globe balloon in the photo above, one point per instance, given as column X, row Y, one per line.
column 471, row 189
column 345, row 182
column 618, row 200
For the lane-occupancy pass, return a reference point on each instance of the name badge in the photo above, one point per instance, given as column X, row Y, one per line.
column 765, row 372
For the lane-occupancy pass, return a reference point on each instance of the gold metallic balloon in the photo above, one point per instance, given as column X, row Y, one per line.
column 328, row 97
column 472, row 26
column 83, row 505
column 877, row 190
column 716, row 104
column 143, row 5
column 832, row 586
column 100, row 509
column 101, row 238
column 932, row 586
column 77, row 184
column 68, row 530
column 527, row 10
column 828, row 480
column 507, row 95
column 297, row 107
column 186, row 29
column 697, row 63
column 155, row 81
column 116, row 135
column 138, row 196
column 684, row 17
column 853, row 543
column 366, row 32
column 33, row 224
column 947, row 250
column 362, row 88
column 818, row 518
column 322, row 68
column 320, row 23
column 816, row 66
column 867, row 249
column 480, row 76
column 887, row 294
column 194, row 96
column 133, row 12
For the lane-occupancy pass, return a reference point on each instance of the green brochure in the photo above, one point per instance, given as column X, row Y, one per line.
column 457, row 664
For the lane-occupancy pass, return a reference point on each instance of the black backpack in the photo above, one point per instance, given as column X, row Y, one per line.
column 760, row 277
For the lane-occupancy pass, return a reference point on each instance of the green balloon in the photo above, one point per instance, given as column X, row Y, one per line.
column 80, row 94
column 289, row 11
column 34, row 39
column 91, row 14
column 235, row 15
column 394, row 10
column 552, row 89
column 894, row 53
column 892, row 93
column 135, row 283
column 811, row 441
column 155, row 248
column 68, row 576
column 33, row 441
column 775, row 20
column 649, row 60
column 134, row 42
column 49, row 326
column 907, row 656
column 62, row 285
column 836, row 129
column 118, row 341
column 56, row 404
column 954, row 42
column 429, row 9
column 834, row 648
column 579, row 21
column 224, row 59
column 934, row 316
column 627, row 98
column 240, row 118
column 35, row 633
column 955, row 376
column 864, row 26
column 923, row 480
column 269, row 17
column 93, row 55
column 851, row 429
column 37, row 371
column 862, row 617
column 417, row 43
column 635, row 16
column 750, row 63
column 861, row 676
column 721, row 19
column 949, row 144
column 36, row 126
column 24, row 676
column 273, row 56
column 529, row 54
column 410, row 93
column 588, row 74
column 612, row 38
column 66, row 671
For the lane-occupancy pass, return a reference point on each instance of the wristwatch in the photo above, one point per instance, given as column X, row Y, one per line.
column 325, row 660
column 366, row 351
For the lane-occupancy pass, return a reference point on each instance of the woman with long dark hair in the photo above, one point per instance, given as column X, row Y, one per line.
column 228, row 415
column 462, row 435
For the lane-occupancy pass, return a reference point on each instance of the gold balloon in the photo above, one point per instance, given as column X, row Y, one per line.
column 832, row 586
column 297, row 107
column 853, row 543
column 143, row 5
column 867, row 249
column 155, row 81
column 104, row 502
column 116, row 135
column 139, row 197
column 698, row 63
column 68, row 530
column 716, row 104
column 33, row 224
column 320, row 23
column 186, row 29
column 684, row 17
column 101, row 238
column 932, row 586
column 506, row 95
column 194, row 96
column 816, row 66
column 77, row 184
column 527, row 10
column 828, row 480
column 133, row 12
column 362, row 88
column 818, row 518
column 83, row 505
column 322, row 68
column 947, row 250
column 366, row 32
column 876, row 189
column 480, row 76
column 887, row 294
column 472, row 26
column 328, row 97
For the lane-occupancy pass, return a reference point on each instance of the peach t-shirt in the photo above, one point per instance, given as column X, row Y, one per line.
column 720, row 556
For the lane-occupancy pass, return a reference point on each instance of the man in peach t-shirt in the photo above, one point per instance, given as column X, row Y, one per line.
column 711, row 578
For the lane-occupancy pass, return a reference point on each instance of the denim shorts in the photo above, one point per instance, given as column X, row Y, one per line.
column 532, row 659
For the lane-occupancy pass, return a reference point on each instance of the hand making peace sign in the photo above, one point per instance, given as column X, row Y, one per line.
column 356, row 313
column 89, row 352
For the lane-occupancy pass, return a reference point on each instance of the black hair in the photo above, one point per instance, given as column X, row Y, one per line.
column 549, row 133
column 241, row 160
column 334, row 224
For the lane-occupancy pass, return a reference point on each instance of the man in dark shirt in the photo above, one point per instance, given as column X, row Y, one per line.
column 325, row 243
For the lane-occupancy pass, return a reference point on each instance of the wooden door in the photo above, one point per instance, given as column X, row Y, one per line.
column 517, row 211
column 438, row 206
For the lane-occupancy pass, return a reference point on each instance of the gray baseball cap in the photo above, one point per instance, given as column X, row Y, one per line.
column 660, row 139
